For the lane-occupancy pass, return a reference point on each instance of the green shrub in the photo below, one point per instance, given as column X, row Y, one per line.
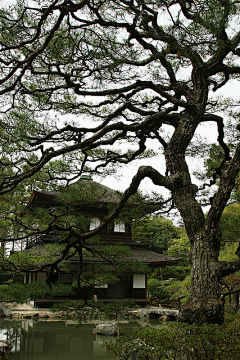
column 119, row 308
column 65, row 306
column 158, row 290
column 23, row 292
column 181, row 342
column 178, row 272
column 82, row 310
column 62, row 290
column 180, row 289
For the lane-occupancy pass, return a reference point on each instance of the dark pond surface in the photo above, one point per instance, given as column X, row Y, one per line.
column 57, row 340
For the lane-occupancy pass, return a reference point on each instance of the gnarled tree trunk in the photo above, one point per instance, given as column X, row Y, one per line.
column 204, row 304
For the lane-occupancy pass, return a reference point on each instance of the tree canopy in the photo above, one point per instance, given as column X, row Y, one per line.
column 93, row 84
column 157, row 231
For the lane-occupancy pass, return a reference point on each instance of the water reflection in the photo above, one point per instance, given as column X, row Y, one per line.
column 56, row 340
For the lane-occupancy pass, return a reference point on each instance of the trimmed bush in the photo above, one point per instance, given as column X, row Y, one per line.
column 181, row 342
column 23, row 292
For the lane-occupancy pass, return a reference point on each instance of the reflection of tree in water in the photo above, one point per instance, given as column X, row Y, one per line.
column 39, row 340
column 44, row 340
column 10, row 331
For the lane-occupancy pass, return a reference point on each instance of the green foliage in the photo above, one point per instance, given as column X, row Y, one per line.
column 169, row 283
column 216, row 154
column 61, row 290
column 180, row 290
column 181, row 341
column 169, row 290
column 97, row 274
column 119, row 309
column 37, row 257
column 228, row 251
column 179, row 248
column 81, row 309
column 230, row 223
column 24, row 292
column 216, row 159
column 177, row 272
column 64, row 306
column 9, row 277
column 158, row 290
column 157, row 231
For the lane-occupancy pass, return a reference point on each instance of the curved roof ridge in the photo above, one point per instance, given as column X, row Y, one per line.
column 102, row 193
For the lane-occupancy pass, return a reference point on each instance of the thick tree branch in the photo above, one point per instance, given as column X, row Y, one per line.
column 151, row 123
column 228, row 268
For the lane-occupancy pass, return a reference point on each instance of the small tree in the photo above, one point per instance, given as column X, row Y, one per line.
column 158, row 290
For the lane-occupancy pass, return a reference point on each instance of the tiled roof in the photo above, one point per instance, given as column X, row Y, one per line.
column 140, row 254
column 148, row 256
column 88, row 191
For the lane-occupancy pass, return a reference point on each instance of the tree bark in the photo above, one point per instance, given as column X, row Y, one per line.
column 236, row 302
column 204, row 305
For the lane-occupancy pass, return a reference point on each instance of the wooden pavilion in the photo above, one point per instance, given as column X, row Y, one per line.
column 94, row 200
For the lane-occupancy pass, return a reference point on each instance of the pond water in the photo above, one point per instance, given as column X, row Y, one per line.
column 57, row 340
